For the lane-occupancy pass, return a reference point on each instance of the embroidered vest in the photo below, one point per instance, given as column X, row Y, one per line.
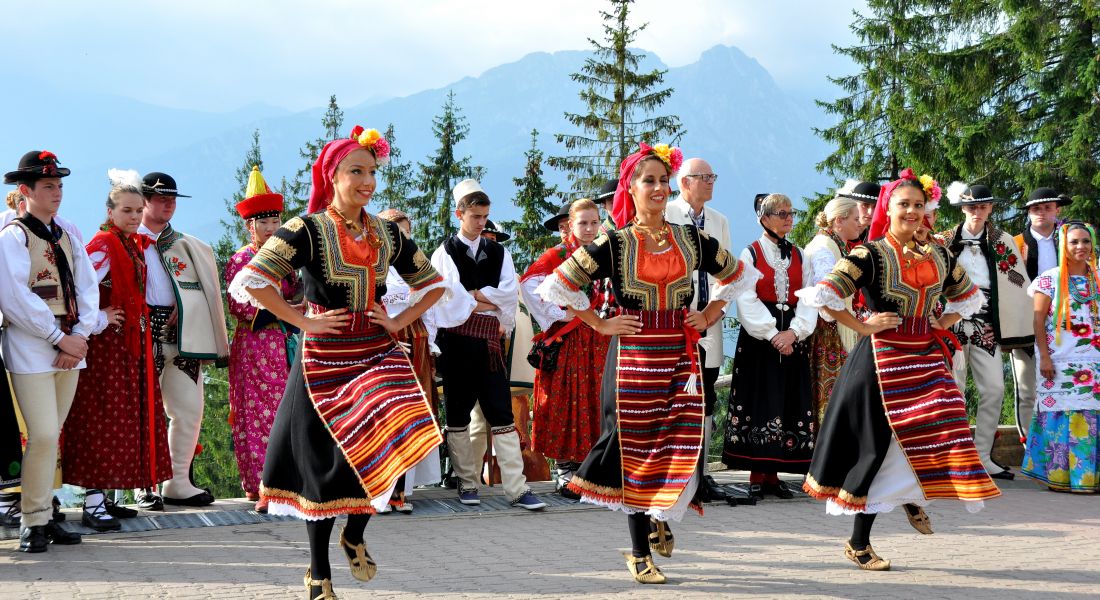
column 44, row 280
column 765, row 288
column 485, row 271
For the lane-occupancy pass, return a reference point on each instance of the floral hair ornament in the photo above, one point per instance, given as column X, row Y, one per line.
column 623, row 209
column 324, row 168
column 372, row 140
column 880, row 222
column 1064, row 294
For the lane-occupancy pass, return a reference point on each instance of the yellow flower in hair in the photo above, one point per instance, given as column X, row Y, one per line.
column 664, row 152
column 369, row 137
column 927, row 182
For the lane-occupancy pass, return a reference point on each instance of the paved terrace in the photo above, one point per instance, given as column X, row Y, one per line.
column 1029, row 543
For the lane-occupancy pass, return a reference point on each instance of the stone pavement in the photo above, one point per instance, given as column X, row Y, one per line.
column 1028, row 543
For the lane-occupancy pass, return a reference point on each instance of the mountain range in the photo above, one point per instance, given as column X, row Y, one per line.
column 757, row 136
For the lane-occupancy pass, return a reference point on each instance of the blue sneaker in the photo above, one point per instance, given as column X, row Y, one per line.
column 529, row 501
column 468, row 497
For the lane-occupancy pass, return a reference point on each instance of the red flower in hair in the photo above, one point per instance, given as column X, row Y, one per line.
column 907, row 173
column 358, row 129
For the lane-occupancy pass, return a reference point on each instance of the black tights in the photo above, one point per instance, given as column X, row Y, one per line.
column 639, row 534
column 319, row 533
column 861, row 531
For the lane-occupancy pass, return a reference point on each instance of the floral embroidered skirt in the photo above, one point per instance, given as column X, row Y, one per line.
column 1062, row 450
column 771, row 425
column 257, row 380
column 567, row 400
column 827, row 356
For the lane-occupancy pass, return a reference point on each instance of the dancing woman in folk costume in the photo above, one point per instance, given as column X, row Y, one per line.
column 837, row 225
column 1062, row 448
column 116, row 436
column 354, row 418
column 648, row 460
column 262, row 346
column 896, row 432
column 566, row 421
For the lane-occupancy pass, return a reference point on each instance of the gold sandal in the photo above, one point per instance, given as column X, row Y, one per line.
column 919, row 521
column 877, row 563
column 662, row 540
column 324, row 584
column 650, row 574
column 362, row 565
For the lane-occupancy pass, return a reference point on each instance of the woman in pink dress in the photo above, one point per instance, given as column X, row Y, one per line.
column 262, row 345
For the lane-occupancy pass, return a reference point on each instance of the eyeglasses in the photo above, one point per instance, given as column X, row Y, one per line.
column 706, row 177
column 782, row 214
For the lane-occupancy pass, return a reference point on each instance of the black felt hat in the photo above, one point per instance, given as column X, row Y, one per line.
column 1047, row 194
column 607, row 192
column 552, row 222
column 756, row 202
column 959, row 194
column 491, row 227
column 862, row 191
column 161, row 183
column 35, row 165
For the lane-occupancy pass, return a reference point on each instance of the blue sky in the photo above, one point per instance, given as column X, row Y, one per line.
column 225, row 54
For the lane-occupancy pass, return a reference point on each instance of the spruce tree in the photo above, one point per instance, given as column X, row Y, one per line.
column 297, row 192
column 434, row 206
column 395, row 180
column 235, row 234
column 530, row 238
column 619, row 105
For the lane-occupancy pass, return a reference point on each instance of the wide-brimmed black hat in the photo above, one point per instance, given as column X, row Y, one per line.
column 959, row 194
column 606, row 192
column 491, row 227
column 162, row 184
column 552, row 222
column 1047, row 194
column 862, row 191
column 36, row 164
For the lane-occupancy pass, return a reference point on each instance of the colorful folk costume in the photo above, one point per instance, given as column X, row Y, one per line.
column 116, row 436
column 1004, row 322
column 472, row 361
column 831, row 341
column 648, row 460
column 771, row 426
column 49, row 291
column 183, row 285
column 566, row 420
column 896, row 432
column 261, row 350
column 1063, row 446
column 1040, row 254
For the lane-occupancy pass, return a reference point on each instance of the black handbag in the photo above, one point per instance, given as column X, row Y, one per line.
column 544, row 349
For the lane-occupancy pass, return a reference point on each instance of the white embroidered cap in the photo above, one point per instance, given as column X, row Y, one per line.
column 465, row 188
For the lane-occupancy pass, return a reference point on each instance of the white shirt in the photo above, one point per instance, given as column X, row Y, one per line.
column 1048, row 254
column 9, row 215
column 33, row 329
column 972, row 259
column 159, row 289
column 504, row 295
column 754, row 316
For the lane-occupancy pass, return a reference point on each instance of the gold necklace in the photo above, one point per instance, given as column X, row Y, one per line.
column 356, row 226
column 660, row 236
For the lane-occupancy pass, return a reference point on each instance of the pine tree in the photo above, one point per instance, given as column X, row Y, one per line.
column 395, row 179
column 880, row 128
column 530, row 238
column 619, row 102
column 235, row 232
column 297, row 192
column 433, row 208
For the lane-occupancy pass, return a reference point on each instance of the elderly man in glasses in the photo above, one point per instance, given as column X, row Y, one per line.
column 696, row 182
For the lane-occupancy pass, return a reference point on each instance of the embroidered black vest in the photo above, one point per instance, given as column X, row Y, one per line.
column 485, row 271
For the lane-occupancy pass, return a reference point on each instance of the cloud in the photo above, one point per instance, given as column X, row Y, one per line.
column 221, row 54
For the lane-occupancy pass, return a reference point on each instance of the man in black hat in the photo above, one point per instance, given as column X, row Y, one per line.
column 990, row 258
column 606, row 198
column 1038, row 245
column 865, row 193
column 492, row 232
column 49, row 297
column 559, row 223
column 184, row 294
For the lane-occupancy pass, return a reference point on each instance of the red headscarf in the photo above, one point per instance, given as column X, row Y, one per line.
column 334, row 152
column 623, row 209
